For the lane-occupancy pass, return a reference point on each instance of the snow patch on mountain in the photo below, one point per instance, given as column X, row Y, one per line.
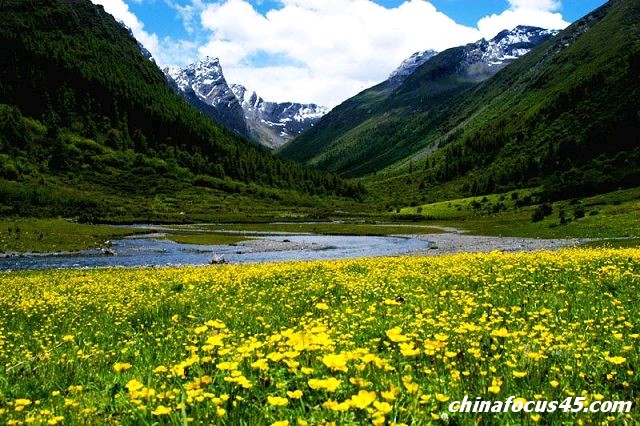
column 501, row 50
column 275, row 123
column 483, row 58
column 270, row 123
column 409, row 65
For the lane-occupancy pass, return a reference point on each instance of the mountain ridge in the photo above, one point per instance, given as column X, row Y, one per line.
column 353, row 138
column 271, row 124
column 90, row 128
column 565, row 117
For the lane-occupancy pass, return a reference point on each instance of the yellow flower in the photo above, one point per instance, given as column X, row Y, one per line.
column 201, row 329
column 411, row 387
column 554, row 383
column 389, row 395
column 494, row 389
column 134, row 385
column 519, row 374
column 297, row 394
column 331, row 384
column 224, row 366
column 160, row 369
column 617, row 360
column 68, row 338
column 408, row 349
column 216, row 324
column 22, row 402
column 383, row 407
column 363, row 399
column 161, row 410
column 442, row 397
column 336, row 406
column 261, row 364
column 336, row 362
column 120, row 367
column 220, row 411
column 322, row 306
column 441, row 337
column 277, row 401
column 395, row 335
column 281, row 423
column 425, row 399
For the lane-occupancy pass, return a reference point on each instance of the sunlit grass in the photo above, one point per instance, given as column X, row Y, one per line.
column 208, row 238
column 45, row 235
column 352, row 342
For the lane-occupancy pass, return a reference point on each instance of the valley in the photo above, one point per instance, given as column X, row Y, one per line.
column 175, row 249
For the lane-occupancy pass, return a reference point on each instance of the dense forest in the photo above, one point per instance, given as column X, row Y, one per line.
column 81, row 106
column 565, row 117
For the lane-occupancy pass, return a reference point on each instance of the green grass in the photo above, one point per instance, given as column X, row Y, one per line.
column 206, row 239
column 614, row 243
column 48, row 235
column 400, row 338
column 611, row 215
column 325, row 228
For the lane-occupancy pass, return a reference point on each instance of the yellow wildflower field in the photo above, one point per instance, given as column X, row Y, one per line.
column 370, row 341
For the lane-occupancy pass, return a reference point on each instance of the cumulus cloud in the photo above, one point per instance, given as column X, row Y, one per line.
column 321, row 51
column 120, row 10
column 164, row 50
column 539, row 13
column 340, row 46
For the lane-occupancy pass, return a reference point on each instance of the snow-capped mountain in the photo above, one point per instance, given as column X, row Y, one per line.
column 271, row 124
column 203, row 85
column 274, row 123
column 409, row 65
column 484, row 58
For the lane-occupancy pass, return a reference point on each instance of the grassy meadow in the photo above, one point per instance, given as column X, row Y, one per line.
column 370, row 341
column 55, row 235
column 611, row 215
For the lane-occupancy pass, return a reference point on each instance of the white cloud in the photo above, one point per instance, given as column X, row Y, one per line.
column 188, row 13
column 120, row 10
column 547, row 5
column 164, row 51
column 539, row 13
column 326, row 50
column 342, row 45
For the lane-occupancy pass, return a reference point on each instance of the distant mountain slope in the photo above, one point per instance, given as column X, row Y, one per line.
column 203, row 85
column 567, row 115
column 383, row 125
column 409, row 66
column 82, row 107
column 271, row 124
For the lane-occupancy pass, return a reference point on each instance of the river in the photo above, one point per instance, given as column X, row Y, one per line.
column 147, row 251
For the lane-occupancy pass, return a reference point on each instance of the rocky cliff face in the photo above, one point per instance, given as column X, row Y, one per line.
column 271, row 124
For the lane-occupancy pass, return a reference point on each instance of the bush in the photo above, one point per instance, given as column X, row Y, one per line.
column 541, row 212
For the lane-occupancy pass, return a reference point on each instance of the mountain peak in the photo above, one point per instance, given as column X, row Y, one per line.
column 508, row 45
column 409, row 65
column 234, row 106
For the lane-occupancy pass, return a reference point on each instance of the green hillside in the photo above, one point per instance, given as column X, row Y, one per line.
column 89, row 127
column 566, row 116
column 382, row 124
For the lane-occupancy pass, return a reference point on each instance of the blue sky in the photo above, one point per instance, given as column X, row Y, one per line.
column 162, row 19
column 323, row 51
